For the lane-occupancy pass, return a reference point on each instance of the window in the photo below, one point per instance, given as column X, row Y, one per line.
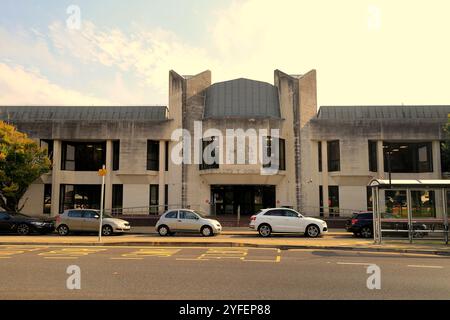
column 269, row 153
column 171, row 215
column 75, row 214
column 166, row 197
column 187, row 215
column 276, row 213
column 4, row 216
column 153, row 155
column 334, row 157
column 402, row 157
column 373, row 156
column 117, row 198
column 154, row 201
column 116, row 155
column 79, row 196
column 333, row 200
column 166, row 164
column 445, row 156
column 290, row 213
column 369, row 198
column 47, row 198
column 83, row 156
column 423, row 204
column 90, row 214
column 395, row 202
column 47, row 145
column 210, row 154
column 321, row 201
column 319, row 152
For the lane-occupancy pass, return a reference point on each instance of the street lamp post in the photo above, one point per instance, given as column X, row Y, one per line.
column 102, row 173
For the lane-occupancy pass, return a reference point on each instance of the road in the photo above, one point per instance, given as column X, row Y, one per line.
column 39, row 272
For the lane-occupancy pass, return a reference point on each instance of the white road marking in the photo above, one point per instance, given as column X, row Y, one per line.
column 424, row 266
column 355, row 263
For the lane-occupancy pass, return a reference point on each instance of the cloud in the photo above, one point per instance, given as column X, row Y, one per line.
column 19, row 86
column 147, row 54
column 393, row 64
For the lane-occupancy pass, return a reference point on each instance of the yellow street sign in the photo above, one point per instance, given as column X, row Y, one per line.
column 102, row 172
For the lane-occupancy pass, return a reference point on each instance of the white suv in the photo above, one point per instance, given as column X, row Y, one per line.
column 286, row 220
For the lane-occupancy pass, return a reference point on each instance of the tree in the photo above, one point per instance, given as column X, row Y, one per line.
column 445, row 147
column 22, row 161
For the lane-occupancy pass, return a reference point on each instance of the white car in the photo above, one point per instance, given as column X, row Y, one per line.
column 286, row 220
column 186, row 220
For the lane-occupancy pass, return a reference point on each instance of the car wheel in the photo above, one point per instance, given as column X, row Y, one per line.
column 366, row 232
column 23, row 229
column 163, row 231
column 63, row 230
column 264, row 230
column 312, row 231
column 107, row 230
column 418, row 235
column 206, row 231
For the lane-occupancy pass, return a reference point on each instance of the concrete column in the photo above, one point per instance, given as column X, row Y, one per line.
column 108, row 177
column 56, row 177
column 436, row 152
column 161, row 180
column 326, row 211
column 380, row 159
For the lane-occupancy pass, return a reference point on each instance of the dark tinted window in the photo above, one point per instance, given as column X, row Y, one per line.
column 277, row 213
column 153, row 155
column 365, row 216
column 171, row 215
column 116, row 155
column 75, row 214
column 334, row 156
column 3, row 215
column 83, row 156
column 408, row 157
column 373, row 156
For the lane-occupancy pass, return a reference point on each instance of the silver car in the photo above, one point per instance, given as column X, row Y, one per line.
column 88, row 220
column 185, row 220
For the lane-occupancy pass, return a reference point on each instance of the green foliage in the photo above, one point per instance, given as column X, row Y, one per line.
column 22, row 161
column 445, row 147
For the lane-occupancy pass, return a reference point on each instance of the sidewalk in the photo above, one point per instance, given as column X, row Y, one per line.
column 336, row 239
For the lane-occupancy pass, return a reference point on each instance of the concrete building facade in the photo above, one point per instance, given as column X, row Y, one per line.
column 326, row 157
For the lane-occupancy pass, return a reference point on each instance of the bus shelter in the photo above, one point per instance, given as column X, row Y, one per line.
column 416, row 209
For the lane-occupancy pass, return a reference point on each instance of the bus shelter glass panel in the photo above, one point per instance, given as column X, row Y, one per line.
column 394, row 217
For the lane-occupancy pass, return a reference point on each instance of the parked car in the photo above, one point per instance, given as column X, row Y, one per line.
column 186, row 220
column 285, row 220
column 88, row 220
column 23, row 224
column 361, row 224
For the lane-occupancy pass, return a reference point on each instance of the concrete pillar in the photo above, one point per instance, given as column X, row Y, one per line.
column 326, row 211
column 436, row 152
column 56, row 177
column 161, row 180
column 108, row 177
column 380, row 159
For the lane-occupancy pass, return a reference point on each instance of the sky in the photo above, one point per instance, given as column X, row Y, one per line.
column 116, row 52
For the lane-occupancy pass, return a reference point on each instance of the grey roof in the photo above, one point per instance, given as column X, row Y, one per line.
column 382, row 112
column 242, row 98
column 45, row 113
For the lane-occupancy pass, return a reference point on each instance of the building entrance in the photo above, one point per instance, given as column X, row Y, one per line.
column 225, row 199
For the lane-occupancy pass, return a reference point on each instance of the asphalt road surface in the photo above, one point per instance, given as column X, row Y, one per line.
column 40, row 272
